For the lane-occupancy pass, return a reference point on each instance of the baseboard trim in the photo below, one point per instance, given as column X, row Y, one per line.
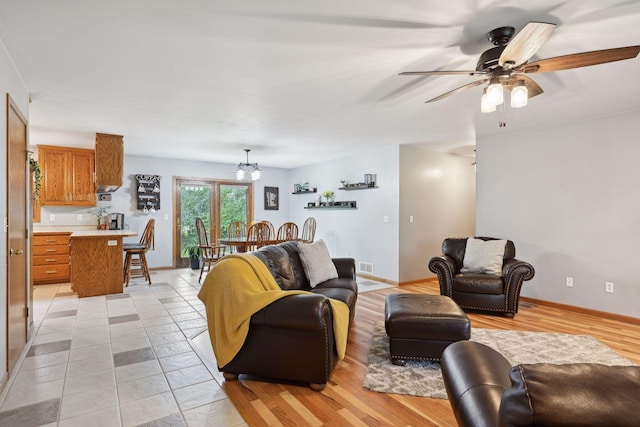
column 582, row 310
column 377, row 279
column 415, row 282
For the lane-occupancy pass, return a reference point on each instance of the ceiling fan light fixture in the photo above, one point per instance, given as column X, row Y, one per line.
column 494, row 92
column 485, row 105
column 247, row 168
column 519, row 95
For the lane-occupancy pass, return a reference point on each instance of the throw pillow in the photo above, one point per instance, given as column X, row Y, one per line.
column 316, row 262
column 482, row 256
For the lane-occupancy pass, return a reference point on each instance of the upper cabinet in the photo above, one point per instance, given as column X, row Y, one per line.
column 68, row 176
column 109, row 162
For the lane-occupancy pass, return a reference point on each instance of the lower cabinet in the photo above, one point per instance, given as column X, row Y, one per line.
column 50, row 258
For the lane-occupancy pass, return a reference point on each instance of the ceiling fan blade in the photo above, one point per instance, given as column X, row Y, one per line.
column 442, row 73
column 584, row 59
column 533, row 88
column 460, row 89
column 525, row 44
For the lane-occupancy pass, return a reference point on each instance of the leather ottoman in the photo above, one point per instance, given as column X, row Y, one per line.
column 420, row 327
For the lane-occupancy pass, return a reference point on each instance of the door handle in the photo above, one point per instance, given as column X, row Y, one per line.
column 13, row 252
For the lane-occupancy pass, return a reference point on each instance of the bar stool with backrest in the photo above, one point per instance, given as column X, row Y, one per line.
column 210, row 253
column 135, row 259
column 308, row 230
column 287, row 231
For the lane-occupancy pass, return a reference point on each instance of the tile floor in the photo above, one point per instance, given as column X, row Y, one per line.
column 119, row 360
column 140, row 358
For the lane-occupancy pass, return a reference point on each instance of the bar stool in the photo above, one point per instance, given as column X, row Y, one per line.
column 135, row 259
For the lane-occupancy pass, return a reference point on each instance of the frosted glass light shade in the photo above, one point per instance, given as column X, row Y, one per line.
column 255, row 175
column 485, row 105
column 519, row 96
column 239, row 174
column 494, row 92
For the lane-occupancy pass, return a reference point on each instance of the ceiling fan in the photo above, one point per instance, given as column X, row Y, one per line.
column 505, row 65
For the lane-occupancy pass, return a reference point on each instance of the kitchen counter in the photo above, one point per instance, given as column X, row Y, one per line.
column 96, row 258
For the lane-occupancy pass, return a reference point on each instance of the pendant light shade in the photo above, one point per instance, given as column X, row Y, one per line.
column 247, row 168
column 494, row 92
column 519, row 95
column 485, row 105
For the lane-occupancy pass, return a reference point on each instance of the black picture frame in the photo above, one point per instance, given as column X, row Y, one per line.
column 271, row 198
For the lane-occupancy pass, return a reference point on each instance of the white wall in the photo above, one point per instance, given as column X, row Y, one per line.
column 438, row 191
column 360, row 233
column 124, row 199
column 569, row 199
column 12, row 84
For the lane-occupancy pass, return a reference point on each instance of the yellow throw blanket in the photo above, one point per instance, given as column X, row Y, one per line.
column 237, row 287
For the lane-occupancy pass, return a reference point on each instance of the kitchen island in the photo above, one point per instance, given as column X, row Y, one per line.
column 96, row 261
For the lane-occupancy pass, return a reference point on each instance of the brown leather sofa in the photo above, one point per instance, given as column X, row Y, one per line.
column 475, row 291
column 292, row 339
column 485, row 390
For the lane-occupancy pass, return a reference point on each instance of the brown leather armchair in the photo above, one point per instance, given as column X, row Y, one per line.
column 476, row 291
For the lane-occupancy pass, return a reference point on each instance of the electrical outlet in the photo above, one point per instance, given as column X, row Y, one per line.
column 385, row 218
column 608, row 287
column 410, row 218
column 52, row 217
column 570, row 282
column 80, row 218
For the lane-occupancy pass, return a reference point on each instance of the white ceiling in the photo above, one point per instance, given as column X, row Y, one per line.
column 298, row 81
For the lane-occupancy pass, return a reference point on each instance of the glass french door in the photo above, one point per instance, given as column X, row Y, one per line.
column 218, row 203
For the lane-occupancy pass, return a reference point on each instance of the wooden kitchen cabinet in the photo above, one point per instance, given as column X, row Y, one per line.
column 51, row 257
column 68, row 176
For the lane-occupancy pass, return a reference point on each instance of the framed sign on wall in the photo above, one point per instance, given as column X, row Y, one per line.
column 271, row 199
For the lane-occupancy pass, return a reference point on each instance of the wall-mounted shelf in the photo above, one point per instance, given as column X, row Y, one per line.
column 351, row 204
column 315, row 190
column 358, row 187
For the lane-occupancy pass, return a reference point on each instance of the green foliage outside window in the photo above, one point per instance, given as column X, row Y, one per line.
column 196, row 203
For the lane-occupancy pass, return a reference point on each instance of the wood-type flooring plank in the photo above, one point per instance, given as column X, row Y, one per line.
column 345, row 403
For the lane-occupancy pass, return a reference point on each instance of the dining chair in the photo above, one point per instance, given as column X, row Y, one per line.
column 272, row 230
column 236, row 230
column 287, row 231
column 135, row 258
column 210, row 253
column 308, row 230
column 259, row 235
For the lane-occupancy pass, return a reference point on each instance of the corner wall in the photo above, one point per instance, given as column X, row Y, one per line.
column 360, row 233
column 568, row 197
column 438, row 191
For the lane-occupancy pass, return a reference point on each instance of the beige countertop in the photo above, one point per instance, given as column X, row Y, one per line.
column 85, row 231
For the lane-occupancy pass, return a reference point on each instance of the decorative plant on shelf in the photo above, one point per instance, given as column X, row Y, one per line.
column 329, row 195
column 37, row 177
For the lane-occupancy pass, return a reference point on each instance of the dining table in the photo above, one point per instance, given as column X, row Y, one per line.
column 241, row 243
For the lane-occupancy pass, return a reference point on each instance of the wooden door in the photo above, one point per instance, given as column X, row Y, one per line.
column 82, row 180
column 17, row 249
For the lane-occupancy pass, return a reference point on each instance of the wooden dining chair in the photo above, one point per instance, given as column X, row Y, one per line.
column 135, row 258
column 259, row 235
column 287, row 231
column 272, row 230
column 210, row 253
column 308, row 230
column 236, row 230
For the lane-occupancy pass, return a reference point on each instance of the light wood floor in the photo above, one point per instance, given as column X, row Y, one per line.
column 343, row 402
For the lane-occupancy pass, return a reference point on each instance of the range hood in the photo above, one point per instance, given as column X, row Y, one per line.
column 109, row 162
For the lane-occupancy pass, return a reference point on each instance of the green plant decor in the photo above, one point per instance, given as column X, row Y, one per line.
column 329, row 195
column 192, row 250
column 37, row 176
column 100, row 212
